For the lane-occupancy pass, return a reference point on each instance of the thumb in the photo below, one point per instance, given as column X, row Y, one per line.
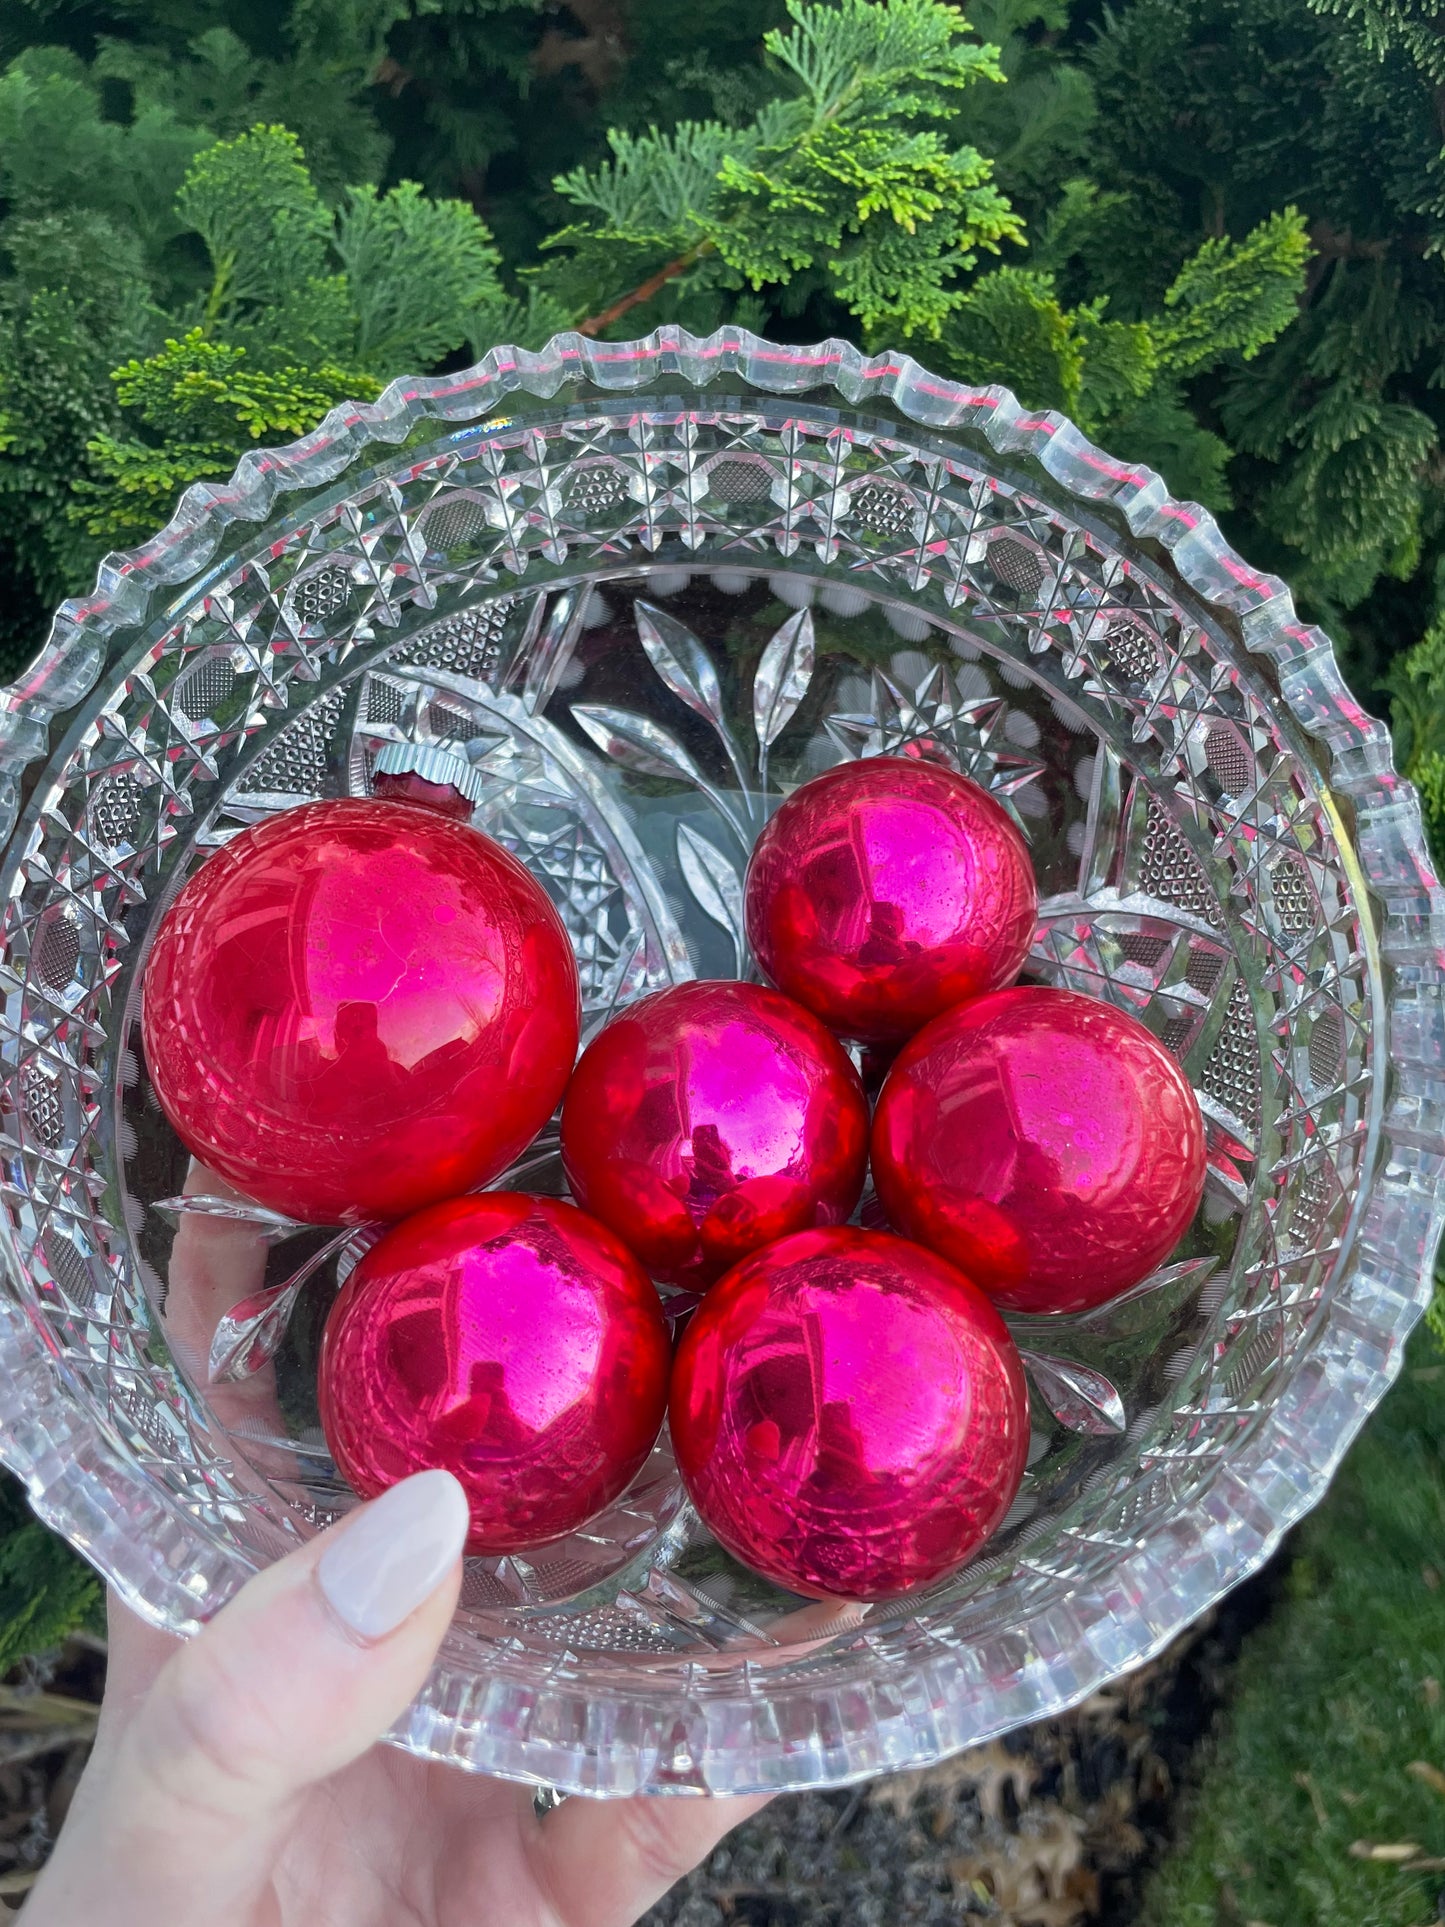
column 298, row 1676
column 312, row 1661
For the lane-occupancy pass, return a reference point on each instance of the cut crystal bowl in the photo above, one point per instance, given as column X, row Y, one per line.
column 647, row 588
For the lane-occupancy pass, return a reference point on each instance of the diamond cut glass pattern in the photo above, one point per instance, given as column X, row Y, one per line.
column 646, row 589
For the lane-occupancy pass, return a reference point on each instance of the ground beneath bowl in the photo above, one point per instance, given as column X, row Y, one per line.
column 1057, row 1826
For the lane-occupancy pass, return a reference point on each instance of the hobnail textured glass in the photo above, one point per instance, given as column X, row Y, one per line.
column 649, row 587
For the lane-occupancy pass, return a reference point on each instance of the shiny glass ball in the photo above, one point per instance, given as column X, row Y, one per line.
column 511, row 1340
column 709, row 1120
column 849, row 1414
column 886, row 890
column 1045, row 1142
column 358, row 1007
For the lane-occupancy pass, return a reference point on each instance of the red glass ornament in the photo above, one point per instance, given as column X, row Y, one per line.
column 1046, row 1142
column 710, row 1119
column 886, row 890
column 359, row 1007
column 511, row 1340
column 849, row 1414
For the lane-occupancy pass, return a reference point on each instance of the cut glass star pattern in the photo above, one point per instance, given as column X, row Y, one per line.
column 645, row 611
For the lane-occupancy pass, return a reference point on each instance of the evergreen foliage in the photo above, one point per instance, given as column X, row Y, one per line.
column 1123, row 381
column 1214, row 110
column 1334, row 1701
column 45, row 1590
column 193, row 408
column 884, row 166
column 1416, row 26
column 288, row 306
column 845, row 172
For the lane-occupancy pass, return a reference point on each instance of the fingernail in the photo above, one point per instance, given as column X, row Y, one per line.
column 394, row 1553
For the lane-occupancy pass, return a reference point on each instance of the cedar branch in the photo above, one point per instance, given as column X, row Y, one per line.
column 594, row 324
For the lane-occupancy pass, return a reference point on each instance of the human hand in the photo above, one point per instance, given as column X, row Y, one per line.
column 236, row 1779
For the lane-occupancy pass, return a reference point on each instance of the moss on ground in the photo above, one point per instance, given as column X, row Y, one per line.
column 1333, row 1748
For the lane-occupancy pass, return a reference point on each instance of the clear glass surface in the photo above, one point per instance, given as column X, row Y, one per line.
column 651, row 587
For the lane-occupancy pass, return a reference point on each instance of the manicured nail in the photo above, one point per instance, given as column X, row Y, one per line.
column 394, row 1553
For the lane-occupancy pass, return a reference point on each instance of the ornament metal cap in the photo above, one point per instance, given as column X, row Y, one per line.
column 445, row 763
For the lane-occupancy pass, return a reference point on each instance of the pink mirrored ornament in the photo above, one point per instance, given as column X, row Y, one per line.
column 1046, row 1142
column 511, row 1340
column 886, row 890
column 358, row 1007
column 849, row 1415
column 709, row 1120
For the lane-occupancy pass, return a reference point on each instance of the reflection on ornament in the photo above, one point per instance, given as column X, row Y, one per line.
column 1047, row 1143
column 710, row 1119
column 849, row 1414
column 886, row 890
column 510, row 1339
column 359, row 1007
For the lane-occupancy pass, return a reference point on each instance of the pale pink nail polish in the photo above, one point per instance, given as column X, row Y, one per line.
column 394, row 1553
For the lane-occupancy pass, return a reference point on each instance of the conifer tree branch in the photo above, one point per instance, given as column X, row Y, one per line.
column 645, row 290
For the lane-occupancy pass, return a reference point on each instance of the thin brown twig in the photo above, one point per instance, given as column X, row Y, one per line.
column 26, row 1710
column 594, row 324
column 1307, row 1781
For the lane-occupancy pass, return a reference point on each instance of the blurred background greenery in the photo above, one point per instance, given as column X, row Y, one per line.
column 1209, row 230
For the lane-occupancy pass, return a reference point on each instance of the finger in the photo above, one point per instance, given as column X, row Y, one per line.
column 601, row 1863
column 218, row 1260
column 135, row 1653
column 298, row 1676
column 313, row 1660
column 215, row 1264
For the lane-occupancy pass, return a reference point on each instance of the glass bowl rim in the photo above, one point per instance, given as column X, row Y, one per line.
column 673, row 1725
